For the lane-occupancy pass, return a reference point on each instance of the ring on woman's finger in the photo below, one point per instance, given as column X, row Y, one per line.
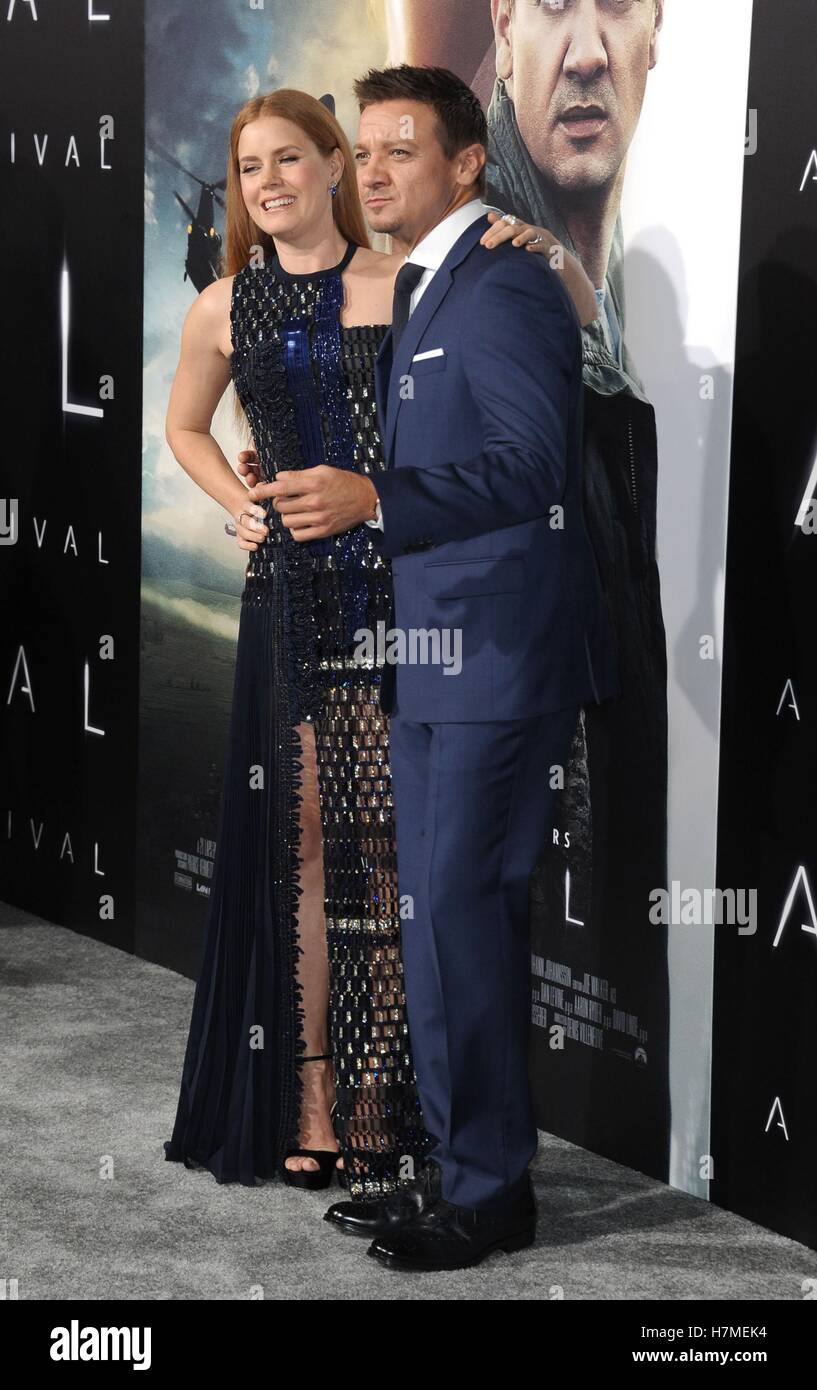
column 510, row 219
column 536, row 241
column 229, row 526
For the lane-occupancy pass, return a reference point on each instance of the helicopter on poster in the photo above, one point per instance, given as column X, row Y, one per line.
column 202, row 264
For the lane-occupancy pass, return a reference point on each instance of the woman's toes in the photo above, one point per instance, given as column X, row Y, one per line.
column 301, row 1165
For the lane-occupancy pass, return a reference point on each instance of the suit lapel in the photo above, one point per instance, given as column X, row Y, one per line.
column 392, row 369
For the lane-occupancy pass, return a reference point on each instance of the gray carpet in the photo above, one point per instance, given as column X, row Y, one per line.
column 92, row 1041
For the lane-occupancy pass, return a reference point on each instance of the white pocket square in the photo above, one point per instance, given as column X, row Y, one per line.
column 422, row 356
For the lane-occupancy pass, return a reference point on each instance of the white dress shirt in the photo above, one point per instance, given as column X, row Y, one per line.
column 436, row 244
column 430, row 253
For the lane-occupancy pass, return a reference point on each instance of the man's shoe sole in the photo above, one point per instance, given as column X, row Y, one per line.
column 508, row 1245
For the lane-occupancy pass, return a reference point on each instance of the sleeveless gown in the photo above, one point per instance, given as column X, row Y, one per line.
column 307, row 387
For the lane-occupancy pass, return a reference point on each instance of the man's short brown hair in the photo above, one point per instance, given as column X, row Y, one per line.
column 460, row 118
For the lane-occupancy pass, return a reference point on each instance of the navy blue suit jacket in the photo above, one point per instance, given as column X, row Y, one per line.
column 482, row 495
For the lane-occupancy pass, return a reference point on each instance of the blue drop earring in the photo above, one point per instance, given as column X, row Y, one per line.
column 333, row 189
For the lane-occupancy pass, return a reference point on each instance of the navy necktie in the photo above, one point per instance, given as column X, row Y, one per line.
column 408, row 278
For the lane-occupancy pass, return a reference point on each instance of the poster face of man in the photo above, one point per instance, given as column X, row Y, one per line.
column 576, row 71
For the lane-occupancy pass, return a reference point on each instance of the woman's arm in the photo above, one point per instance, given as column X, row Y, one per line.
column 201, row 379
column 577, row 281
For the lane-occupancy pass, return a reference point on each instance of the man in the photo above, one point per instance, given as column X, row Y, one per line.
column 479, row 394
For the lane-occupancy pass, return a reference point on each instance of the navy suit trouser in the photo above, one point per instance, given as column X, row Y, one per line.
column 473, row 805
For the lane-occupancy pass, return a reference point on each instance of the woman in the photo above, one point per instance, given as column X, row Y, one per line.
column 299, row 1010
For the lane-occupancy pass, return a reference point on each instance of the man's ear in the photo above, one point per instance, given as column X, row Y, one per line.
column 658, row 20
column 470, row 163
column 502, row 22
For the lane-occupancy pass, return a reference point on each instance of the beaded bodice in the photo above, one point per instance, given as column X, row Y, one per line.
column 307, row 388
column 306, row 383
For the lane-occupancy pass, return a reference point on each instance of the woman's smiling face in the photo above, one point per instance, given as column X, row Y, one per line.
column 284, row 177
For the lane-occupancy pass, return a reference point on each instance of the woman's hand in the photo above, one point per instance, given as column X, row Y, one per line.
column 250, row 526
column 247, row 533
column 518, row 231
column 538, row 239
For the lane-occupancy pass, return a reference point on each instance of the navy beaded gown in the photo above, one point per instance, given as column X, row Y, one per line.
column 307, row 387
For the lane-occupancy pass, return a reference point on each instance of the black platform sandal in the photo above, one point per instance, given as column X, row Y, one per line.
column 326, row 1159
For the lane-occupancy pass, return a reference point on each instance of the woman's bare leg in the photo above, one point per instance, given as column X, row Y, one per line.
column 317, row 1078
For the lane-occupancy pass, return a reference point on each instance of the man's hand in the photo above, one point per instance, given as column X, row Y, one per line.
column 248, row 467
column 318, row 502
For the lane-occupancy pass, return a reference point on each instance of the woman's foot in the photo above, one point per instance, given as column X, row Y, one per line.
column 317, row 1099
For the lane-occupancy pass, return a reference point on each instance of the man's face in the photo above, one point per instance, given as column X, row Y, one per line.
column 406, row 184
column 576, row 71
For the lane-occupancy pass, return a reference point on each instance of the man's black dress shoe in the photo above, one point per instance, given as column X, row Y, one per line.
column 382, row 1215
column 450, row 1237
